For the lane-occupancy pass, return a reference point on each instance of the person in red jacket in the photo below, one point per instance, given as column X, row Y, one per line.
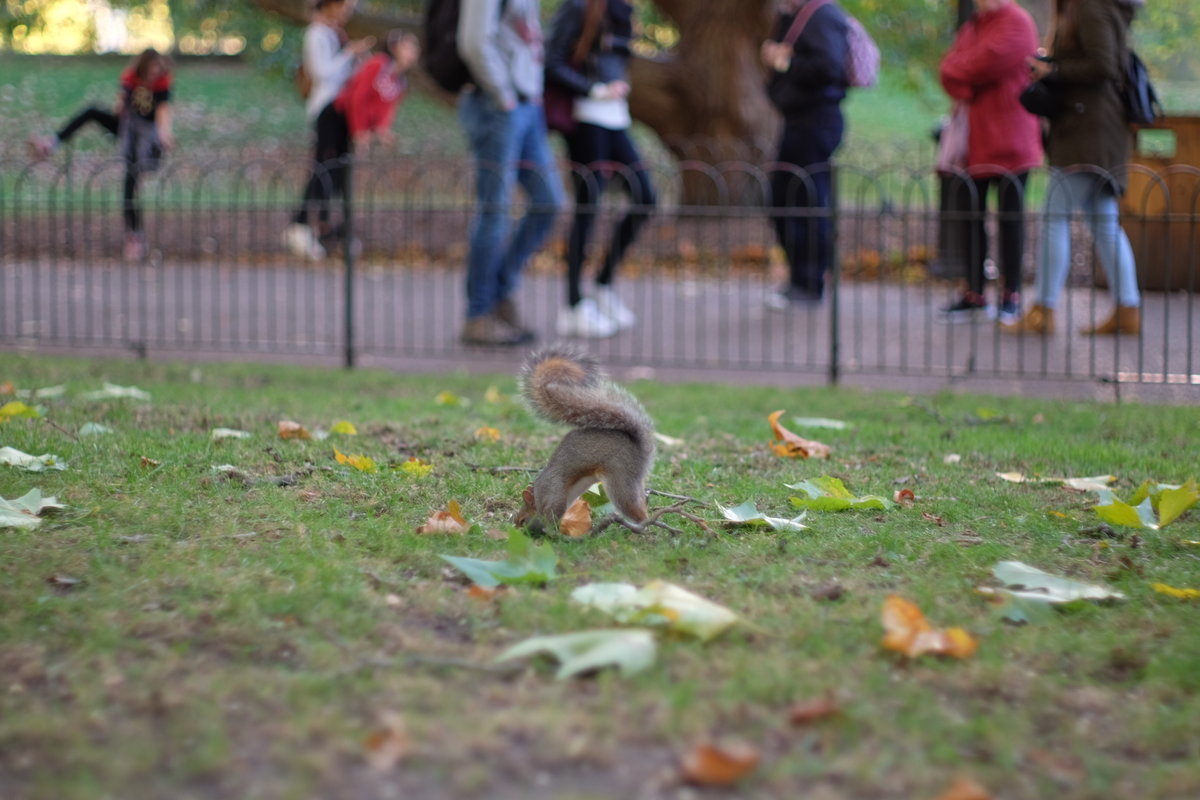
column 985, row 69
column 362, row 110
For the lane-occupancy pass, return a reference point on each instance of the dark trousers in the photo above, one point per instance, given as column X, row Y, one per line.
column 971, row 193
column 133, row 169
column 801, row 194
column 330, row 165
column 600, row 154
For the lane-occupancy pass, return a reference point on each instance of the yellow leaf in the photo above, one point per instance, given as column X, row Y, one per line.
column 448, row 521
column 361, row 463
column 292, row 430
column 15, row 408
column 1172, row 502
column 416, row 467
column 789, row 445
column 493, row 395
column 345, row 428
column 448, row 399
column 1180, row 594
column 487, row 434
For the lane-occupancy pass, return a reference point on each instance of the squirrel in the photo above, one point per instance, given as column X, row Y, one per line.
column 613, row 439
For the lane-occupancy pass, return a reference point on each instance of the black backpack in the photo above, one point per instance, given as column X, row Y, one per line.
column 439, row 56
column 1141, row 100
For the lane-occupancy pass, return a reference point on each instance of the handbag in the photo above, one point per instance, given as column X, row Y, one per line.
column 952, row 141
column 558, row 101
column 1042, row 97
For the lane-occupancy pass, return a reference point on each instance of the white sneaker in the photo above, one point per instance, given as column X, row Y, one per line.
column 585, row 320
column 609, row 304
column 302, row 241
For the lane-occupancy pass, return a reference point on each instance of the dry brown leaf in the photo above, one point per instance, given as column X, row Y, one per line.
column 789, row 445
column 387, row 745
column 7, row 388
column 448, row 521
column 907, row 631
column 814, row 709
column 578, row 519
column 486, row 594
column 719, row 764
column 292, row 430
column 964, row 788
column 149, row 463
column 905, row 497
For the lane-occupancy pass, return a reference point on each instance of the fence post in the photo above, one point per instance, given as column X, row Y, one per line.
column 835, row 273
column 348, row 261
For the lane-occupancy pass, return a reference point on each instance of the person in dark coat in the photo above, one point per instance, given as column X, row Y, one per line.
column 985, row 71
column 1088, row 147
column 807, row 85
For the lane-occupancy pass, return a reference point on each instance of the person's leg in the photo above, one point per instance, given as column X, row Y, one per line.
column 105, row 119
column 1011, row 189
column 491, row 135
column 636, row 181
column 791, row 187
column 977, row 243
column 538, row 175
column 331, row 145
column 585, row 146
column 1064, row 193
column 1112, row 245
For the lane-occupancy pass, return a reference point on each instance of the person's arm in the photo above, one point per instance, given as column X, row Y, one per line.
column 819, row 58
column 324, row 58
column 163, row 123
column 991, row 55
column 478, row 29
column 565, row 30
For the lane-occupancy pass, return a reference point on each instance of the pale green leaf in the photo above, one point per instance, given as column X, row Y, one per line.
column 748, row 514
column 830, row 494
column 820, row 422
column 113, row 392
column 15, row 458
column 229, row 433
column 1118, row 512
column 93, row 429
column 41, row 394
column 658, row 603
column 24, row 511
column 630, row 650
column 527, row 563
column 1025, row 581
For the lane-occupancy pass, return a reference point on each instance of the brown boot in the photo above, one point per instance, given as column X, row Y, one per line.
column 506, row 312
column 1037, row 320
column 489, row 331
column 1123, row 319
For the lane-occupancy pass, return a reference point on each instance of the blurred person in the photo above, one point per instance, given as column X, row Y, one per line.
column 329, row 59
column 141, row 121
column 501, row 113
column 808, row 82
column 361, row 111
column 985, row 70
column 600, row 146
column 1088, row 146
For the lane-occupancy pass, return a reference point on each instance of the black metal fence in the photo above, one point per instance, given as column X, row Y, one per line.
column 216, row 278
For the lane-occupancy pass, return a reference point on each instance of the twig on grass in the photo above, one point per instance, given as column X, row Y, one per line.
column 494, row 470
column 654, row 520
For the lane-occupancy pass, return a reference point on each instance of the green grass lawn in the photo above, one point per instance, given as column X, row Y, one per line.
column 176, row 633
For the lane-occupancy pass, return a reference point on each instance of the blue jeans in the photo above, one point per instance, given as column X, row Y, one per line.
column 1094, row 195
column 510, row 147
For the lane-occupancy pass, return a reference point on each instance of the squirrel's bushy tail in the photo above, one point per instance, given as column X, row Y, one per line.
column 564, row 385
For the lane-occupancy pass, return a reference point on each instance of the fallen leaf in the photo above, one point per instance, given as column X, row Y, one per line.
column 905, row 498
column 39, row 394
column 388, row 744
column 789, row 445
column 93, row 429
column 814, row 709
column 24, row 511
column 227, row 433
column 669, row 441
column 748, row 514
column 1028, row 592
column 964, row 788
column 359, row 462
column 951, row 458
column 448, row 398
column 485, row 594
column 658, row 603
column 719, row 764
column 15, row 458
column 577, row 521
column 150, row 463
column 827, row 493
column 416, row 468
column 630, row 650
column 344, row 428
column 527, row 563
column 907, row 631
column 15, row 408
column 293, row 430
column 486, row 434
column 494, row 395
column 65, row 582
column 113, row 392
column 1171, row 591
column 820, row 422
column 449, row 520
